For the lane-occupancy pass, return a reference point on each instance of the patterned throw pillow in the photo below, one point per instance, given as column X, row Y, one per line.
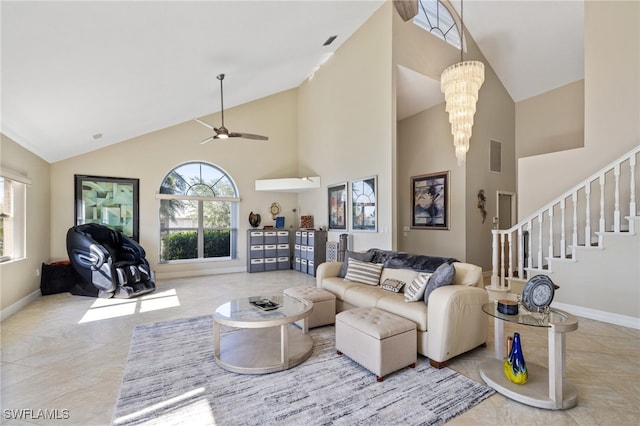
column 393, row 285
column 363, row 256
column 363, row 272
column 415, row 291
column 444, row 275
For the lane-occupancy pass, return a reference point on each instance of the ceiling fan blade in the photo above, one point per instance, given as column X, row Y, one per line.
column 222, row 132
column 407, row 9
column 204, row 124
column 248, row 136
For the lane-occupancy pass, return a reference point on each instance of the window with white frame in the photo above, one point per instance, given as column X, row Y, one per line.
column 12, row 216
column 198, row 213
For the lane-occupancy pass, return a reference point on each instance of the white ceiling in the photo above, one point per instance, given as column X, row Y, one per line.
column 71, row 70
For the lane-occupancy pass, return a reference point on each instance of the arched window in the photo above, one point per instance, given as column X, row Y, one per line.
column 198, row 213
column 434, row 17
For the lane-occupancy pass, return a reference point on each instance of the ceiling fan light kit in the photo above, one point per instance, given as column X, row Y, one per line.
column 222, row 132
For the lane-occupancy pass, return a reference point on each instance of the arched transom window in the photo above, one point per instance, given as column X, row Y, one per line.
column 198, row 213
column 434, row 17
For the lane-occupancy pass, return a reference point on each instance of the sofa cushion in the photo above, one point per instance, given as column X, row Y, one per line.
column 393, row 285
column 363, row 256
column 415, row 291
column 338, row 286
column 394, row 303
column 467, row 274
column 442, row 276
column 363, row 272
column 364, row 295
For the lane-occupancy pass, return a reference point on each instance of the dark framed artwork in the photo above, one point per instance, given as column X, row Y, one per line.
column 364, row 204
column 109, row 201
column 430, row 201
column 337, row 196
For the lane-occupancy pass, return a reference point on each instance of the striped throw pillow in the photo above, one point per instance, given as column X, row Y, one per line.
column 415, row 291
column 363, row 272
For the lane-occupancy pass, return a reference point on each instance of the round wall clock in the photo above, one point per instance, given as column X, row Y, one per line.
column 538, row 293
column 275, row 210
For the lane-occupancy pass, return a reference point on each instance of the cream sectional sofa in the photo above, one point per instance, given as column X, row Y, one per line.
column 452, row 323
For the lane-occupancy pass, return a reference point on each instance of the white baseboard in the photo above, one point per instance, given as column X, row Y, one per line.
column 187, row 274
column 12, row 309
column 608, row 317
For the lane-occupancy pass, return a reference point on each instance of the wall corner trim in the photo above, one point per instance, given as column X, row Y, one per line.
column 12, row 309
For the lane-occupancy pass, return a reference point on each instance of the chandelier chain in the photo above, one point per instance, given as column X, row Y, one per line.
column 461, row 29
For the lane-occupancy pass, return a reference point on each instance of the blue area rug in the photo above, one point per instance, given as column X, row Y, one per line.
column 171, row 378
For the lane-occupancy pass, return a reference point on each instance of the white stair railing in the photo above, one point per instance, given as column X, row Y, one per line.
column 542, row 235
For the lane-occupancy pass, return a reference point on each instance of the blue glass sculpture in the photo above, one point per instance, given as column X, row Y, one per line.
column 514, row 366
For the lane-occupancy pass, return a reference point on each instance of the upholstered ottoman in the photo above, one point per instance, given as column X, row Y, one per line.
column 379, row 341
column 324, row 305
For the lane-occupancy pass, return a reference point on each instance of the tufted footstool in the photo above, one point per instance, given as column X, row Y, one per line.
column 324, row 305
column 379, row 341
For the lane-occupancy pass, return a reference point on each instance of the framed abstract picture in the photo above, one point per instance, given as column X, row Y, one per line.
column 364, row 208
column 430, row 201
column 337, row 196
column 109, row 201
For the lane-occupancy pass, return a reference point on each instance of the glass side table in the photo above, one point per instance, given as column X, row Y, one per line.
column 546, row 388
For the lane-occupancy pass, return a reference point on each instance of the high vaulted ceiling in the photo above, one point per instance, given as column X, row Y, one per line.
column 75, row 69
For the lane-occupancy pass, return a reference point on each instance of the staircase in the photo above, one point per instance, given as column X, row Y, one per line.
column 584, row 218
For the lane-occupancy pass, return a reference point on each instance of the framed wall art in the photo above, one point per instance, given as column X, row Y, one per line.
column 430, row 201
column 364, row 209
column 337, row 196
column 109, row 201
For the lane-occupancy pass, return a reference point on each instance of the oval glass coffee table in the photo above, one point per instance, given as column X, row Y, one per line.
column 547, row 387
column 266, row 341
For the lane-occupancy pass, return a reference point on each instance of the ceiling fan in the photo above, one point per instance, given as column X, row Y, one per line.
column 222, row 132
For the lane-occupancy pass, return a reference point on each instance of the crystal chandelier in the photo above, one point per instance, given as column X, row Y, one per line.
column 460, row 84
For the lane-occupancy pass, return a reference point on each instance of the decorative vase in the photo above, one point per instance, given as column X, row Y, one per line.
column 254, row 219
column 514, row 366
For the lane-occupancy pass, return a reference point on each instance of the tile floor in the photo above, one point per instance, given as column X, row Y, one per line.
column 67, row 353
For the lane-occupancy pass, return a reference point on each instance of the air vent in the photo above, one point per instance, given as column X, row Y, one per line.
column 495, row 157
column 330, row 40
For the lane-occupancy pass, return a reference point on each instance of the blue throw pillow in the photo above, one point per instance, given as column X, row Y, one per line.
column 444, row 275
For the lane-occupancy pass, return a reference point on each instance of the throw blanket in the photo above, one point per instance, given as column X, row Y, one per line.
column 417, row 262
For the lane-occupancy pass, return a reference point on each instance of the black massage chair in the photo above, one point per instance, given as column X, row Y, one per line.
column 108, row 260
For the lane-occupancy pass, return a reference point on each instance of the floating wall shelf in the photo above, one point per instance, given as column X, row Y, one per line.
column 288, row 184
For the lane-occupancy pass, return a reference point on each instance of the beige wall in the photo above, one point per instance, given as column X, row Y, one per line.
column 612, row 106
column 494, row 121
column 150, row 157
column 425, row 145
column 552, row 121
column 20, row 278
column 612, row 128
column 345, row 126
